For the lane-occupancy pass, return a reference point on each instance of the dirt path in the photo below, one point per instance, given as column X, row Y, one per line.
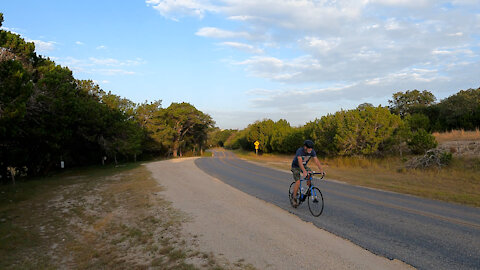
column 245, row 229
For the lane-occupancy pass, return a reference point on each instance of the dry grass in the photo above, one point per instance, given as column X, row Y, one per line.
column 459, row 182
column 457, row 135
column 97, row 219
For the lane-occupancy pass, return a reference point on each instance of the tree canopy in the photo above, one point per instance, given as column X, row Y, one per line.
column 48, row 116
column 403, row 103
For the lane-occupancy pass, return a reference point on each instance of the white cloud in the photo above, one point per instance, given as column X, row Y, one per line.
column 115, row 62
column 392, row 24
column 458, row 34
column 213, row 32
column 350, row 49
column 173, row 9
column 13, row 30
column 404, row 3
column 102, row 66
column 79, row 43
column 113, row 72
column 101, row 47
column 243, row 47
column 43, row 46
column 323, row 46
column 242, row 18
column 103, row 81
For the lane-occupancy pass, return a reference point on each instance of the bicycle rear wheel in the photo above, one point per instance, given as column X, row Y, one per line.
column 290, row 191
column 315, row 202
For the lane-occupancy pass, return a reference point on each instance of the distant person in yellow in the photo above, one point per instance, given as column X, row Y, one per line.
column 299, row 166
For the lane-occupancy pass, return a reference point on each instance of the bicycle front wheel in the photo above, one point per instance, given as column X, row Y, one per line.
column 315, row 202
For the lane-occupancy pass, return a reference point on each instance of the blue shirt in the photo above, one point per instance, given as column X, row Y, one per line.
column 305, row 157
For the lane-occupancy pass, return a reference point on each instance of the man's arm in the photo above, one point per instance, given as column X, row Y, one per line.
column 317, row 162
column 300, row 164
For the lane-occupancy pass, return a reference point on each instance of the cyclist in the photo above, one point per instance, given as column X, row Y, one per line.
column 299, row 166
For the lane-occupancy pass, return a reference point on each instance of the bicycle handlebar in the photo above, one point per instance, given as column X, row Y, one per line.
column 315, row 173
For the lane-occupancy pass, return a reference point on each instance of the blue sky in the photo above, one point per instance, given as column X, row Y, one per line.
column 242, row 61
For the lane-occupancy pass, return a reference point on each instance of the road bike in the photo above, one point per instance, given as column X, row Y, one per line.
column 311, row 194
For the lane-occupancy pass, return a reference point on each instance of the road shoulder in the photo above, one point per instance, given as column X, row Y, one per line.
column 242, row 228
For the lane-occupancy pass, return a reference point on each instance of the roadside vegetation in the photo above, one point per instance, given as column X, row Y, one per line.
column 47, row 116
column 97, row 218
column 458, row 183
column 405, row 127
column 394, row 148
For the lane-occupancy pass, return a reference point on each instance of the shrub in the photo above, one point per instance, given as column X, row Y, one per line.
column 421, row 141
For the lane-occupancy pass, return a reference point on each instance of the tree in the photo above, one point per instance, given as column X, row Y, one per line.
column 90, row 88
column 418, row 121
column 237, row 140
column 13, row 47
column 218, row 137
column 146, row 115
column 293, row 140
column 460, row 111
column 180, row 120
column 261, row 131
column 378, row 127
column 15, row 90
column 281, row 130
column 322, row 131
column 366, row 130
column 405, row 103
column 124, row 105
column 48, row 116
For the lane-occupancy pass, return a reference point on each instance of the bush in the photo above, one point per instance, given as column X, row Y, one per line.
column 421, row 141
column 446, row 158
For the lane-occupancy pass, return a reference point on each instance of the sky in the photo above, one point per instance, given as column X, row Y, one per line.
column 242, row 61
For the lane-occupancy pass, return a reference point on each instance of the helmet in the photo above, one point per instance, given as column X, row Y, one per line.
column 308, row 144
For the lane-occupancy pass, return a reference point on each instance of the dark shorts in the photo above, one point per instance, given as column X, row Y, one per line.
column 297, row 172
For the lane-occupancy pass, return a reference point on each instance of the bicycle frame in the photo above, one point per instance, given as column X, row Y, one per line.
column 310, row 188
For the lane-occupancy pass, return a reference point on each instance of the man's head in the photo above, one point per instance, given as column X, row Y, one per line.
column 308, row 146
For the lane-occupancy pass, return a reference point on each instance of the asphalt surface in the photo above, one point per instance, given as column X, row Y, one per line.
column 424, row 233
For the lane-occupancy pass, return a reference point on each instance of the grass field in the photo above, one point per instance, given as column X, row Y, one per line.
column 457, row 135
column 458, row 183
column 97, row 218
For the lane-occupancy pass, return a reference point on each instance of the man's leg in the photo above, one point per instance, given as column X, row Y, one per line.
column 295, row 188
column 296, row 177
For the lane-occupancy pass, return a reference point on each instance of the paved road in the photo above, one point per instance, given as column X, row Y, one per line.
column 424, row 233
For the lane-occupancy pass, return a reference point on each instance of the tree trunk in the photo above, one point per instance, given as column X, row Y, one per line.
column 175, row 148
column 115, row 157
column 12, row 173
column 134, row 157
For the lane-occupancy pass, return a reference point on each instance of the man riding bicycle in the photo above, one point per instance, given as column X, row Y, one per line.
column 299, row 166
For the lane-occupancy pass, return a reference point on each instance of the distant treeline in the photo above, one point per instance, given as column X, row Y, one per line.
column 405, row 126
column 47, row 116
